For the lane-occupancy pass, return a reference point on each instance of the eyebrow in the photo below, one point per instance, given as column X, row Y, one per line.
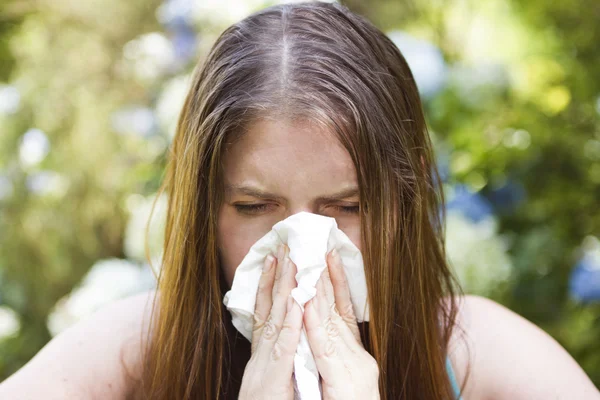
column 261, row 194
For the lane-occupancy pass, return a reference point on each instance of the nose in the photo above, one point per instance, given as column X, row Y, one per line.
column 300, row 208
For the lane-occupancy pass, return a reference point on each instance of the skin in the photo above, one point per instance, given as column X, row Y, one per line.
column 509, row 358
column 275, row 170
column 299, row 165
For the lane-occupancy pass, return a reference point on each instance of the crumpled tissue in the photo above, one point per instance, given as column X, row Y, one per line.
column 309, row 237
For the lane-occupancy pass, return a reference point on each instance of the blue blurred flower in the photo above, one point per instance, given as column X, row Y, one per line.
column 443, row 164
column 471, row 204
column 184, row 43
column 507, row 197
column 584, row 283
column 177, row 18
column 425, row 60
column 173, row 14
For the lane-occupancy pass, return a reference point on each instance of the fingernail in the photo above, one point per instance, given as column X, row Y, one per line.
column 290, row 302
column 268, row 263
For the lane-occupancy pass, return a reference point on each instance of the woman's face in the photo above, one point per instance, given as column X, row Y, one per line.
column 278, row 169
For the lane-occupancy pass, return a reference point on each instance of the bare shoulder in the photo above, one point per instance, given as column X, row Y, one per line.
column 90, row 359
column 508, row 357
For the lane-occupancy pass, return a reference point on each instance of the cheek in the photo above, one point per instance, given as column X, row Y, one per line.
column 351, row 227
column 236, row 235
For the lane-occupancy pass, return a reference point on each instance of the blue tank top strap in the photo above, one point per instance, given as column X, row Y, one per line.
column 453, row 379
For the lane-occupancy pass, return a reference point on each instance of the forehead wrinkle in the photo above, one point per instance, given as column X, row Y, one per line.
column 254, row 191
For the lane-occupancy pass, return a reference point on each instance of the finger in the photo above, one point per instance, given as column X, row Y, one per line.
column 280, row 259
column 341, row 292
column 285, row 278
column 329, row 294
column 263, row 299
column 285, row 348
column 332, row 343
column 328, row 312
column 320, row 302
column 325, row 342
column 274, row 322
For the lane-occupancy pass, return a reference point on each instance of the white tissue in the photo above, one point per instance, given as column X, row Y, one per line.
column 310, row 237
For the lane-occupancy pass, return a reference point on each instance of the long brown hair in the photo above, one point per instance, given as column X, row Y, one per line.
column 323, row 63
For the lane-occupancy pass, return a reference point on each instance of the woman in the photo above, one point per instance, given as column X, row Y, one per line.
column 304, row 107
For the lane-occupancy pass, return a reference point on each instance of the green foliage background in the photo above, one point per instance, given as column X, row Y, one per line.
column 68, row 61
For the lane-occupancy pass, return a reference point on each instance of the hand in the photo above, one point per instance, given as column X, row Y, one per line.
column 276, row 333
column 347, row 370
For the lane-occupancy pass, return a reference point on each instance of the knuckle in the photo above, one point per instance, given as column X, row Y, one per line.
column 332, row 338
column 276, row 352
column 350, row 321
column 258, row 321
column 269, row 330
column 330, row 348
column 262, row 285
column 276, row 280
column 347, row 313
column 331, row 329
column 334, row 311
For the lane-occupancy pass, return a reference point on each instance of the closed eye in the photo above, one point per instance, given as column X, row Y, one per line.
column 348, row 209
column 251, row 208
column 259, row 208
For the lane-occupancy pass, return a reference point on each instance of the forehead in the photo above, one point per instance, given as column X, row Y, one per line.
column 279, row 152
